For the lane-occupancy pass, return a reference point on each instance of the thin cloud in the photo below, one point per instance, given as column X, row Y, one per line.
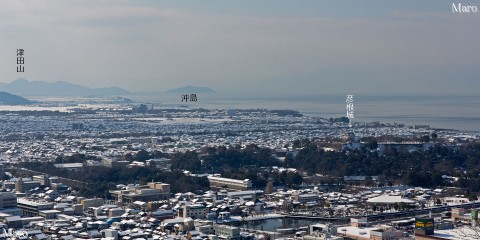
column 140, row 47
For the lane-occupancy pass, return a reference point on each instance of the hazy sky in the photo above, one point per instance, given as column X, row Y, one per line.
column 259, row 47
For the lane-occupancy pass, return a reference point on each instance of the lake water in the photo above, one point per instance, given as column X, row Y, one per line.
column 449, row 111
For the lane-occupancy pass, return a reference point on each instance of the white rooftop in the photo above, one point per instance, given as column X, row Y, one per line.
column 364, row 232
column 389, row 199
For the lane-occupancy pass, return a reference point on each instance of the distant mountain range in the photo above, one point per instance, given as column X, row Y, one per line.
column 191, row 89
column 10, row 99
column 24, row 87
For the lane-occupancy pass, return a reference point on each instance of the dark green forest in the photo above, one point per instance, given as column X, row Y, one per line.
column 393, row 166
column 415, row 168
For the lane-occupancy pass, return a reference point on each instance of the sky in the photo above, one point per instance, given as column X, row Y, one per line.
column 269, row 47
